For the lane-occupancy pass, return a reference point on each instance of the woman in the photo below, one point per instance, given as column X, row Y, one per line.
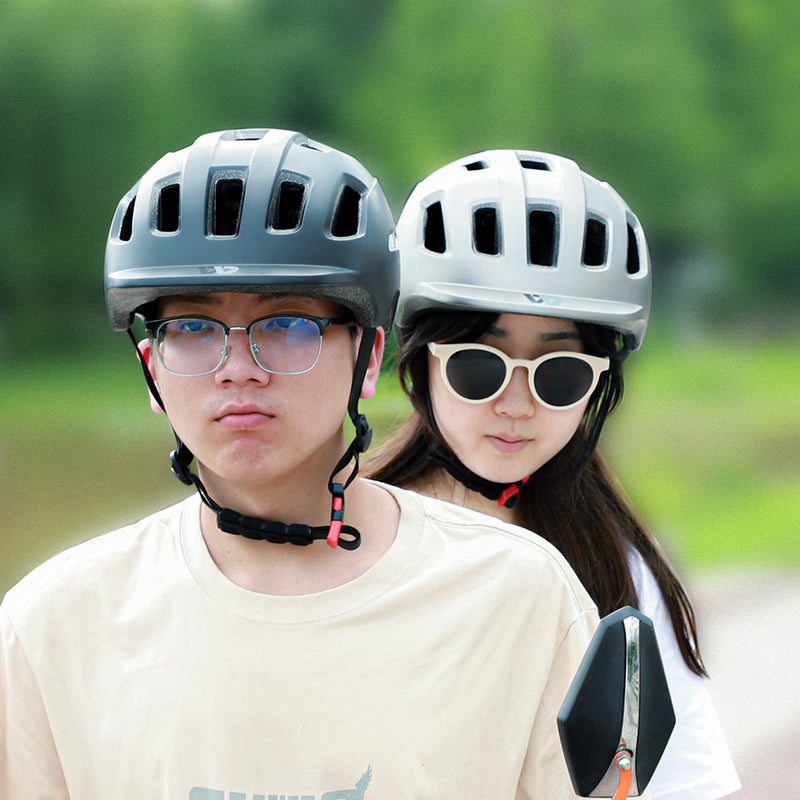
column 519, row 259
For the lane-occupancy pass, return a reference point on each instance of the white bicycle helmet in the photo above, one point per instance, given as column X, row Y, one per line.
column 254, row 210
column 527, row 233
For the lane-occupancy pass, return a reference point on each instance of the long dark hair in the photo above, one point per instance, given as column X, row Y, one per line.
column 574, row 501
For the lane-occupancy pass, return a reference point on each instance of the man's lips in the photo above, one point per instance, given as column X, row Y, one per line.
column 245, row 417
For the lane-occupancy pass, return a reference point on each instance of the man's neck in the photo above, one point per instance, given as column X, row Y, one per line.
column 286, row 569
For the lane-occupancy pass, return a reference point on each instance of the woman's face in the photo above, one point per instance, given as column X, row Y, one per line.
column 513, row 435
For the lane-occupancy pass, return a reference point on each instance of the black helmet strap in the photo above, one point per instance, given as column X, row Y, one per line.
column 505, row 494
column 336, row 533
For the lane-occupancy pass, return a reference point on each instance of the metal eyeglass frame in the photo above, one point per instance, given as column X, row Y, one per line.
column 154, row 325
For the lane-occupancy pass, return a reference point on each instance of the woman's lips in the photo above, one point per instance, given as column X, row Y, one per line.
column 507, row 445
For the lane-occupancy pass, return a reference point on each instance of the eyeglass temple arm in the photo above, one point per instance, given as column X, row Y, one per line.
column 181, row 457
column 151, row 384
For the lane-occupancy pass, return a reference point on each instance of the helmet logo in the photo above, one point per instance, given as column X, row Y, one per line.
column 219, row 269
column 541, row 300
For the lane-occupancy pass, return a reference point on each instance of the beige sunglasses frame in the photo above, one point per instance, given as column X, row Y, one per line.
column 443, row 352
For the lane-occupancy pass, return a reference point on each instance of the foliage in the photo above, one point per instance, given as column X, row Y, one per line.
column 706, row 443
column 690, row 110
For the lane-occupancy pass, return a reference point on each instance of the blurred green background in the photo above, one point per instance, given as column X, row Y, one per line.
column 690, row 110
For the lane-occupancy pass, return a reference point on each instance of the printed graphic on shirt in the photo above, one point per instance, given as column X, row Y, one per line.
column 359, row 792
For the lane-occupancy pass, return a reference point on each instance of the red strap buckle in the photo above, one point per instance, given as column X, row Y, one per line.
column 337, row 514
column 511, row 491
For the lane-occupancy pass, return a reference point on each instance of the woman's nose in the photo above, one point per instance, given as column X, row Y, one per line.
column 516, row 399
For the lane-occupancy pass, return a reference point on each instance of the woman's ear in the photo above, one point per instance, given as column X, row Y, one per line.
column 146, row 350
column 374, row 365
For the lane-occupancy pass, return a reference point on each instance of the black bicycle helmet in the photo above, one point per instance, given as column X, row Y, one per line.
column 254, row 210
column 259, row 210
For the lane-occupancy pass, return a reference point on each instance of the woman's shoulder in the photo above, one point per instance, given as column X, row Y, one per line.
column 697, row 757
column 648, row 592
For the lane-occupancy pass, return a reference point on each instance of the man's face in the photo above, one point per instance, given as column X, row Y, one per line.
column 250, row 429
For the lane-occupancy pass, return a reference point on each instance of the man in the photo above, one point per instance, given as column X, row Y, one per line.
column 263, row 638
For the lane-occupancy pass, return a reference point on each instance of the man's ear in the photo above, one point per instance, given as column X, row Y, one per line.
column 145, row 348
column 374, row 365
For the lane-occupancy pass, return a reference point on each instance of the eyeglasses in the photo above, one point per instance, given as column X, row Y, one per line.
column 477, row 373
column 280, row 344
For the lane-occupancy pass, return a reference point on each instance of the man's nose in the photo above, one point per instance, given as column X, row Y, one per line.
column 240, row 361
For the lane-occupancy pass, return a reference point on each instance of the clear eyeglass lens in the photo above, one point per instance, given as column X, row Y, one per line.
column 191, row 346
column 286, row 345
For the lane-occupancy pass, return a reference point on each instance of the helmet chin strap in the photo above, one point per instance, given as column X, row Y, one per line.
column 505, row 494
column 336, row 533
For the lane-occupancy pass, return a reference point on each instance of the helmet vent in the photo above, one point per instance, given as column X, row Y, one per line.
column 542, row 225
column 528, row 163
column 594, row 243
column 634, row 262
column 433, row 229
column 126, row 228
column 485, row 231
column 286, row 209
column 168, row 214
column 226, row 203
column 475, row 165
column 347, row 214
column 243, row 135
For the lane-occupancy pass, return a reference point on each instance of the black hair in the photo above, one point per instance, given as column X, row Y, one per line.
column 573, row 500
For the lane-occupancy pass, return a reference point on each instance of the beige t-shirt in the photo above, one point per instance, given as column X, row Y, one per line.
column 132, row 668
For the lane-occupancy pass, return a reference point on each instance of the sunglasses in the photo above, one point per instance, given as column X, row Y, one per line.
column 477, row 373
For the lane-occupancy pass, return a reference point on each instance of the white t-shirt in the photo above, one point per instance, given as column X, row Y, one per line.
column 696, row 764
column 130, row 667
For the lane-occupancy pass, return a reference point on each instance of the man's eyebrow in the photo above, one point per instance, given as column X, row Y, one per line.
column 196, row 299
column 209, row 299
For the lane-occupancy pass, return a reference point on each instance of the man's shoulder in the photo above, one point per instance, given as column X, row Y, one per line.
column 467, row 522
column 104, row 557
column 456, row 547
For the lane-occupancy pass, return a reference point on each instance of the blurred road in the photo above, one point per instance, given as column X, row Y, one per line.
column 750, row 638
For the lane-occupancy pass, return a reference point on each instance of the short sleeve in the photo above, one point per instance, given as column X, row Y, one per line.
column 696, row 762
column 29, row 763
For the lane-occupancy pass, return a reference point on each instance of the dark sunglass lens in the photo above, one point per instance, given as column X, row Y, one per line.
column 475, row 374
column 563, row 381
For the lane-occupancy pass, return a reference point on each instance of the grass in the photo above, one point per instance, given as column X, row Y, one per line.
column 706, row 443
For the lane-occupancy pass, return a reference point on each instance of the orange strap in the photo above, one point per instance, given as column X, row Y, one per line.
column 625, row 775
